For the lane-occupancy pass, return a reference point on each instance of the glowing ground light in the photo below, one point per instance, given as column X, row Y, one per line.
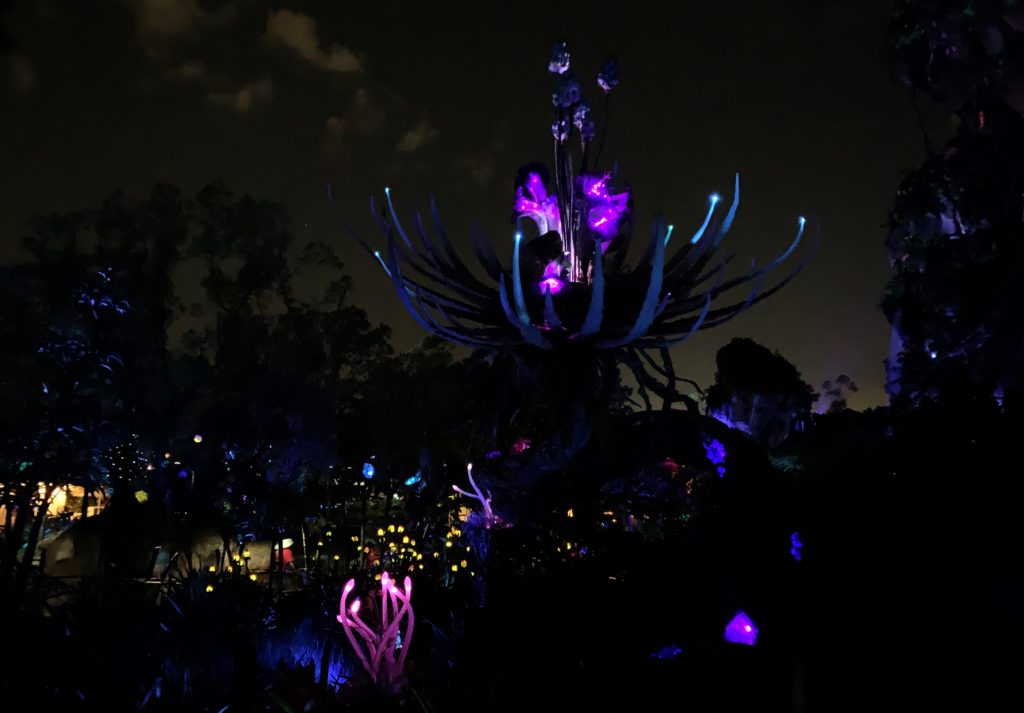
column 741, row 630
column 368, row 470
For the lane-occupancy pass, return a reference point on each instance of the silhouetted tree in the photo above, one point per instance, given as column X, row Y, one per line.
column 759, row 391
column 956, row 237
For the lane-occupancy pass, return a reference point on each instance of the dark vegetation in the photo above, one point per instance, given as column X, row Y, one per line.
column 232, row 440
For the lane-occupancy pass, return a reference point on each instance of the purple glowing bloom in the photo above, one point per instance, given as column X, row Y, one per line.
column 566, row 92
column 741, row 630
column 715, row 451
column 552, row 280
column 559, row 63
column 605, row 209
column 580, row 113
column 491, row 455
column 533, row 202
column 608, row 77
column 560, row 129
column 588, row 129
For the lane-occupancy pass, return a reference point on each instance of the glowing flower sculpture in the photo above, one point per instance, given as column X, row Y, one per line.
column 484, row 499
column 570, row 285
column 382, row 648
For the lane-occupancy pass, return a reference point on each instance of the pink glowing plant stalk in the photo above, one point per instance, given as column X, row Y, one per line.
column 477, row 494
column 382, row 649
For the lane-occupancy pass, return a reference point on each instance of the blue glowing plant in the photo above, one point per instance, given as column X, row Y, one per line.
column 569, row 285
column 795, row 545
column 715, row 451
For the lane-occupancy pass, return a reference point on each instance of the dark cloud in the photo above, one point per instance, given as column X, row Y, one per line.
column 161, row 22
column 192, row 69
column 417, row 137
column 251, row 94
column 298, row 33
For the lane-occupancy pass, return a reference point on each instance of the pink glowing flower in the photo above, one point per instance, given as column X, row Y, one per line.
column 382, row 648
column 533, row 202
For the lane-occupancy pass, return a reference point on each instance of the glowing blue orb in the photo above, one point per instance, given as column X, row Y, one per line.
column 368, row 470
column 414, row 479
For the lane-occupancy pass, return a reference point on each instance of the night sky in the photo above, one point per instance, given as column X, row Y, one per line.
column 278, row 99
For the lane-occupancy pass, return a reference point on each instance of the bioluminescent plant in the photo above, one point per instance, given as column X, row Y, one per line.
column 741, row 630
column 715, row 451
column 381, row 648
column 570, row 285
column 795, row 545
column 485, row 500
column 667, row 652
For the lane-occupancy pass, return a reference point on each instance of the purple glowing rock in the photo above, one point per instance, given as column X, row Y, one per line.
column 741, row 630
